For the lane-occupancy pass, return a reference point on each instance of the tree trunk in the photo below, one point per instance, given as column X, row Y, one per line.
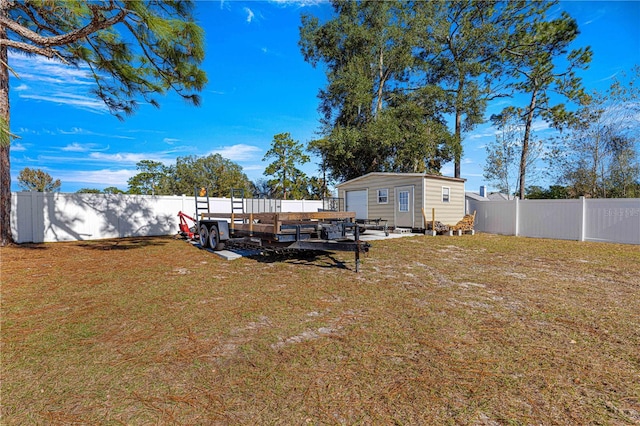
column 5, row 140
column 458, row 142
column 380, row 83
column 284, row 174
column 525, row 143
column 458, row 129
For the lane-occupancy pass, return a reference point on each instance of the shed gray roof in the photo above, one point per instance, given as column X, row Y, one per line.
column 498, row 196
column 424, row 175
column 475, row 196
column 494, row 196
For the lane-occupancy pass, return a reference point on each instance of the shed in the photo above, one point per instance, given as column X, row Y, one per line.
column 400, row 198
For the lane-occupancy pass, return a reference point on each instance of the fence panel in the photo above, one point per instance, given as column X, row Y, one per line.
column 617, row 221
column 494, row 217
column 560, row 219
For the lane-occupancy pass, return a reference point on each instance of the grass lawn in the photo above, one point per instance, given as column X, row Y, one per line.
column 472, row 330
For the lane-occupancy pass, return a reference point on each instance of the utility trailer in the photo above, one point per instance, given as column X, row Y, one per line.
column 325, row 230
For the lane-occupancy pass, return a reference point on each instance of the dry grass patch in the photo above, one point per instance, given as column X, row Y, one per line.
column 483, row 330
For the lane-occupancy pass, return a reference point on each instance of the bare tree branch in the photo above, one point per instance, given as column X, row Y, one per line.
column 97, row 23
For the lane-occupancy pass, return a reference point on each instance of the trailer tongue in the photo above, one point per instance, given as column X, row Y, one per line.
column 325, row 230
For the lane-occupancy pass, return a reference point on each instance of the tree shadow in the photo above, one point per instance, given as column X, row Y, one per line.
column 49, row 217
column 123, row 243
column 30, row 246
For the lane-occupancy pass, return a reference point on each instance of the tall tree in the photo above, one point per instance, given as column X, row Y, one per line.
column 112, row 190
column 540, row 64
column 366, row 49
column 598, row 157
column 624, row 170
column 287, row 154
column 134, row 49
column 503, row 155
column 218, row 174
column 460, row 51
column 368, row 116
column 149, row 178
column 37, row 180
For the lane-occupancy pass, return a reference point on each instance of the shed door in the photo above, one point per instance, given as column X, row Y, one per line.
column 356, row 201
column 404, row 207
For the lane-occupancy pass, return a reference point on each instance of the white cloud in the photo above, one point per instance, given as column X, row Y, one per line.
column 491, row 132
column 18, row 147
column 49, row 80
column 107, row 177
column 41, row 69
column 76, row 131
column 595, row 16
column 250, row 14
column 170, row 141
column 239, row 152
column 540, row 125
column 79, row 101
column 122, row 157
column 298, row 3
column 76, row 147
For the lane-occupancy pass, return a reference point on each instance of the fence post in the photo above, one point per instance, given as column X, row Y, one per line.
column 517, row 230
column 35, row 216
column 583, row 217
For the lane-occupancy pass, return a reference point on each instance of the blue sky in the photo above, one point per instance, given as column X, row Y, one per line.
column 259, row 86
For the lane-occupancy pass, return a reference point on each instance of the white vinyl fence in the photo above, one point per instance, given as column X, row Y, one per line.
column 38, row 217
column 607, row 220
column 49, row 217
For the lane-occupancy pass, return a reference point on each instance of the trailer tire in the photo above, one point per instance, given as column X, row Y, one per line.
column 214, row 238
column 204, row 236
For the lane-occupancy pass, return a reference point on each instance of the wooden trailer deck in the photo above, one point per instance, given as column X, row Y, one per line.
column 278, row 225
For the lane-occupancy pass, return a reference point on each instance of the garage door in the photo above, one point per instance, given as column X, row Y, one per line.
column 356, row 201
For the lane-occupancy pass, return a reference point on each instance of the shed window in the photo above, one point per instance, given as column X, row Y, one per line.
column 445, row 194
column 403, row 201
column 383, row 196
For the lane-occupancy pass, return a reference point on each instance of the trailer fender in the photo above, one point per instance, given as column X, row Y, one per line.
column 223, row 230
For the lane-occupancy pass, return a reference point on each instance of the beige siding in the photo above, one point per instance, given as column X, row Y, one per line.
column 387, row 211
column 449, row 213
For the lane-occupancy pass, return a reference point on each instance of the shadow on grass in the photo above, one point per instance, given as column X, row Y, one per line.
column 30, row 246
column 318, row 258
column 123, row 243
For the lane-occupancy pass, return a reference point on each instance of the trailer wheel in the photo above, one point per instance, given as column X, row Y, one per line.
column 204, row 236
column 214, row 238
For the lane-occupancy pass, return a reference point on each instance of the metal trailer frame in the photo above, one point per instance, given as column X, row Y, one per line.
column 325, row 231
column 374, row 224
